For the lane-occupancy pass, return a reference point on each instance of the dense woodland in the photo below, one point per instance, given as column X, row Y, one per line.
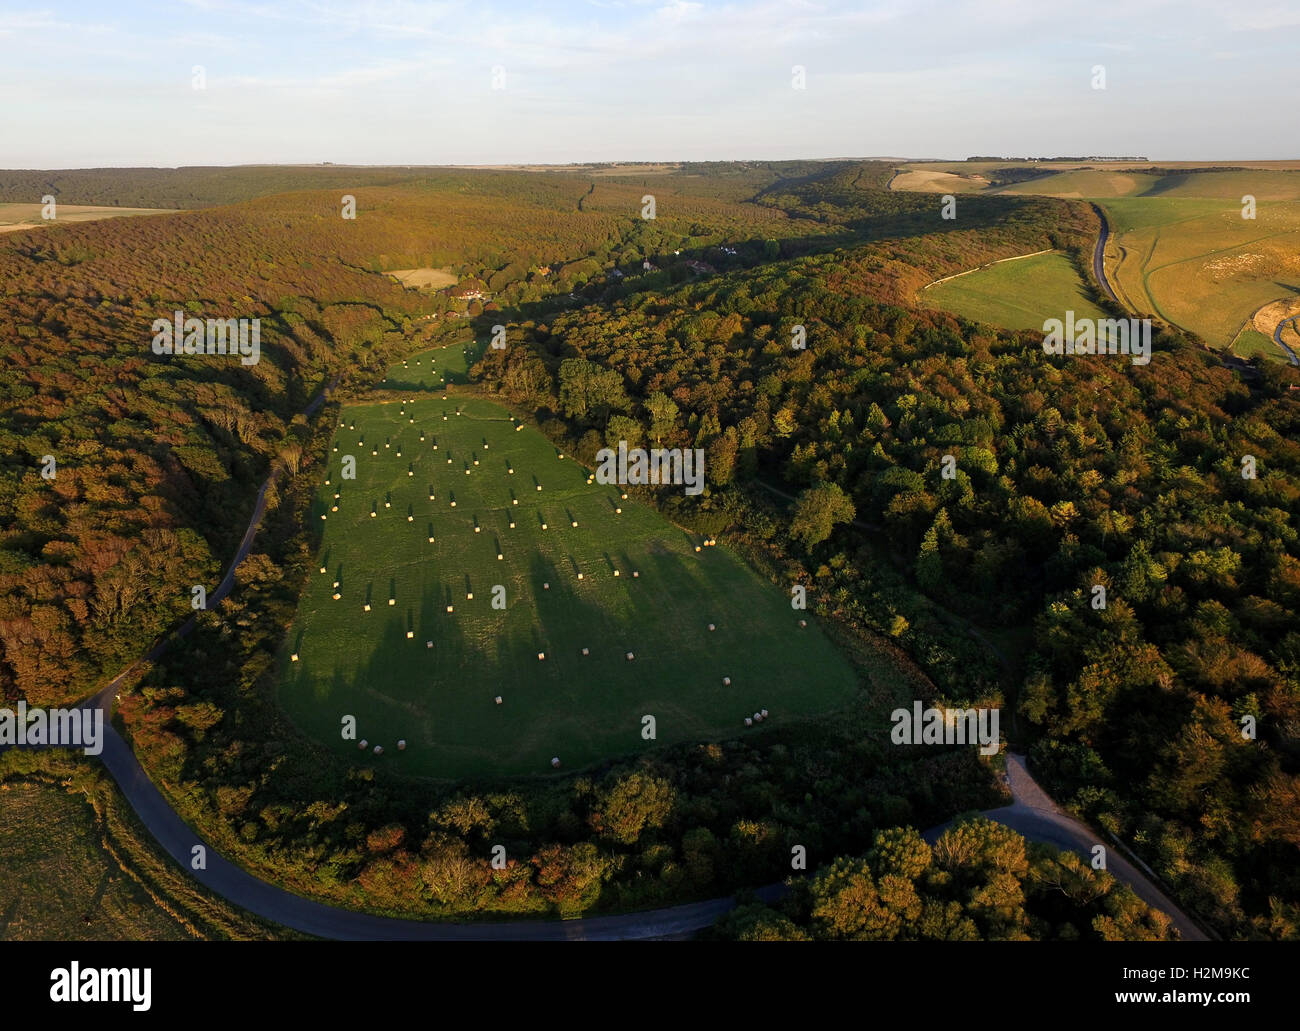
column 979, row 881
column 823, row 463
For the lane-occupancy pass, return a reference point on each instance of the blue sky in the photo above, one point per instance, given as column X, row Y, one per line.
column 399, row 81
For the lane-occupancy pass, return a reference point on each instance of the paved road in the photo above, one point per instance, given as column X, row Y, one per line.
column 1277, row 337
column 1099, row 254
column 1038, row 818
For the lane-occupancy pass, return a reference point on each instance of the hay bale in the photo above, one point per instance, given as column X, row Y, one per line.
column 575, row 522
column 379, row 749
column 543, row 526
column 410, row 634
column 635, row 574
column 336, row 583
column 430, row 540
column 337, row 596
column 322, row 569
column 478, row 529
column 453, row 504
column 512, row 524
column 541, row 656
column 726, row 681
column 366, row 607
column 616, row 572
column 630, row 656
column 401, row 745
column 803, row 622
column 546, row 587
column 428, row 644
column 712, row 627
column 555, row 762
column 293, row 657
column 579, row 576
column 449, row 608
column 749, row 722
column 618, row 511
column 498, row 699
column 763, row 713
column 500, row 557
column 392, row 601
column 539, row 486
column 586, row 651
column 363, row 744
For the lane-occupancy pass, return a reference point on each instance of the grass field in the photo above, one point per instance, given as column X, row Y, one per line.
column 60, row 883
column 1179, row 246
column 28, row 216
column 424, row 278
column 1018, row 294
column 644, row 589
column 433, row 369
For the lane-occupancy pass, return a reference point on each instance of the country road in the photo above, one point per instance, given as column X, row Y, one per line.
column 1099, row 254
column 1277, row 337
column 1032, row 814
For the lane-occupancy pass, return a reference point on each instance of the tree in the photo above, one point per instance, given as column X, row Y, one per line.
column 817, row 511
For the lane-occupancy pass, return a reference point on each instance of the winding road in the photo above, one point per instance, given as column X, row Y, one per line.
column 1277, row 337
column 1032, row 814
column 1099, row 254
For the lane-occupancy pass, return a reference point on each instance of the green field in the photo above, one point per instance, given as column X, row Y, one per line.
column 1017, row 294
column 60, row 883
column 645, row 589
column 435, row 368
column 1181, row 249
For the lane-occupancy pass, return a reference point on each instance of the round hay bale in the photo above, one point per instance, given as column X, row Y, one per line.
column 579, row 576
column 430, row 540
column 803, row 622
column 363, row 744
column 392, row 601
column 453, row 504
column 726, row 681
column 541, row 656
column 478, row 529
column 749, row 722
column 543, row 526
column 500, row 557
column 764, row 713
column 616, row 572
column 635, row 574
column 336, row 583
column 498, row 699
column 337, row 596
column 618, row 511
column 365, row 607
column 546, row 587
column 630, row 656
column 449, row 609
column 712, row 627
column 539, row 486
column 586, row 651
column 575, row 522
column 410, row 634
column 469, row 596
column 401, row 745
column 379, row 749
column 322, row 569
column 555, row 762
column 512, row 524
column 293, row 657
column 428, row 644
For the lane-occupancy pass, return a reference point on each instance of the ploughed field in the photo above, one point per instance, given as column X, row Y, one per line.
column 428, row 667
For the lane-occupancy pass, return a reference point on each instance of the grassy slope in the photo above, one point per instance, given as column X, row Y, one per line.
column 60, row 883
column 1180, row 247
column 1018, row 294
column 580, row 708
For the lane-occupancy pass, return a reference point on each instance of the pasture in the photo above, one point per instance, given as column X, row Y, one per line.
column 432, row 530
column 1018, row 294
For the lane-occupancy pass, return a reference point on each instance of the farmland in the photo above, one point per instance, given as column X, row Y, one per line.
column 433, row 530
column 1016, row 294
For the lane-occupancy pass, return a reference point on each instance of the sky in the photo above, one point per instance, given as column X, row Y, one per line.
column 115, row 82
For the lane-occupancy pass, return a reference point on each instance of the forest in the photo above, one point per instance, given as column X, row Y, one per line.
column 823, row 462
